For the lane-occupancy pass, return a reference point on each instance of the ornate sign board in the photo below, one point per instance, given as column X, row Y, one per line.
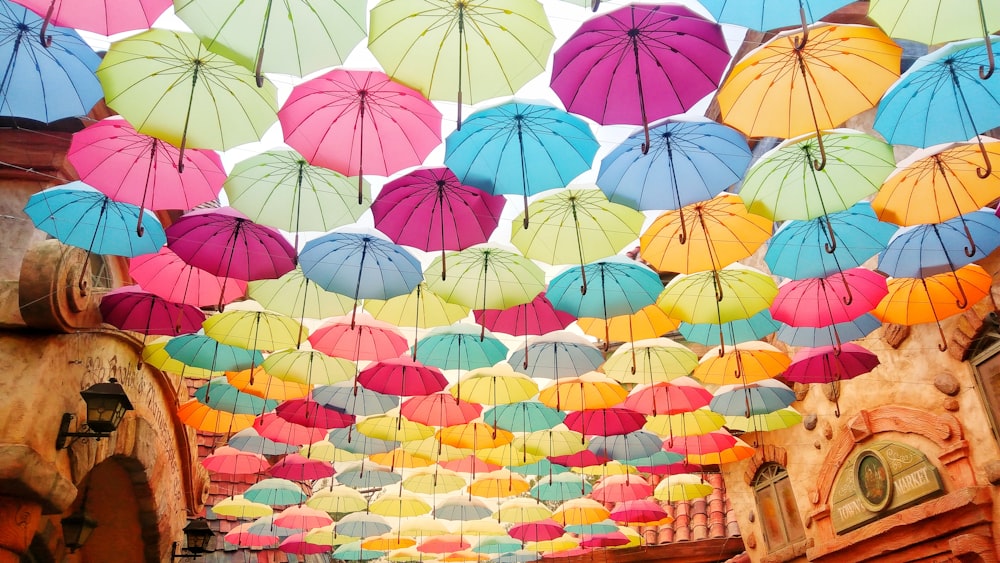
column 882, row 478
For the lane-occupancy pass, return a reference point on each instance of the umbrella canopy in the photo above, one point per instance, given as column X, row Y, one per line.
column 755, row 327
column 439, row 409
column 540, row 530
column 307, row 412
column 275, row 492
column 399, row 505
column 711, row 448
column 935, row 22
column 266, row 386
column 131, row 308
column 460, row 346
column 592, row 390
column 771, row 14
column 402, row 376
column 619, row 488
column 820, row 302
column 461, row 508
column 761, row 397
column 363, row 402
column 746, row 362
column 230, row 460
column 308, row 367
column 362, row 524
column 358, row 337
column 560, row 487
column 829, row 335
column 629, row 53
column 581, row 511
column 524, row 416
column 239, row 507
column 433, row 481
column 421, row 308
column 684, row 487
column 556, row 354
column 642, row 511
column 650, row 361
column 618, row 286
column 926, row 250
column 393, row 427
column 99, row 16
column 173, row 279
column 648, row 322
column 297, row 467
column 692, row 423
column 486, row 277
column 255, row 330
column 775, row 420
column 249, row 440
column 605, row 422
column 682, row 394
column 200, row 351
column 533, row 318
column 496, row 385
column 826, row 365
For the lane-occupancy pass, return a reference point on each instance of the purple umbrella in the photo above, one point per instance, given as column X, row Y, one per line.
column 603, row 70
column 132, row 308
column 228, row 244
column 830, row 364
column 431, row 210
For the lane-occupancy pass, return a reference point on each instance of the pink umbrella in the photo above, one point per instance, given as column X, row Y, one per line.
column 229, row 460
column 402, row 376
column 540, row 530
column 609, row 64
column 469, row 464
column 369, row 339
column 130, row 167
column 619, row 488
column 450, row 215
column 297, row 544
column 226, row 243
column 604, row 540
column 586, row 458
column 296, row 467
column 273, row 427
column 131, row 308
column 173, row 279
column 242, row 536
column 679, row 395
column 439, row 409
column 643, row 511
column 445, row 543
column 535, row 318
column 829, row 364
column 307, row 412
column 99, row 16
column 353, row 120
column 605, row 422
column 302, row 518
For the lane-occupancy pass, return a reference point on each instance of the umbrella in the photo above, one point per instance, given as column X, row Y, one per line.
column 308, row 367
column 755, row 327
column 771, row 14
column 557, row 441
column 297, row 467
column 298, row 37
column 712, row 448
column 636, row 49
column 539, row 530
column 650, row 361
column 648, row 322
column 173, row 279
column 621, row 287
column 556, row 354
column 226, row 243
column 80, row 216
column 797, row 251
column 200, row 351
column 142, row 170
column 523, row 416
column 327, row 452
column 520, row 148
column 683, row 394
column 698, row 160
column 297, row 544
column 131, row 308
column 533, row 318
column 761, row 397
column 786, row 183
column 44, row 83
column 168, row 85
column 576, row 226
column 499, row 484
column 241, row 536
column 692, row 423
column 402, row 376
column 445, row 543
column 363, row 402
column 266, row 386
column 560, row 487
column 461, row 508
column 642, row 511
column 272, row 426
column 421, row 307
column 522, row 510
column 202, row 417
column 238, row 507
column 281, row 189
column 460, row 346
column 486, row 277
column 926, row 250
column 393, row 427
column 439, row 409
column 619, row 488
column 474, row 436
column 776, row 420
column 829, row 335
column 98, row 16
column 922, row 300
column 592, row 390
column 399, row 505
column 308, row 412
column 827, row 364
column 337, row 498
column 362, row 265
column 684, row 487
column 452, row 216
column 605, row 422
column 342, row 105
column 359, row 337
column 496, row 385
column 230, row 460
column 423, row 43
column 714, row 234
column 249, row 440
column 362, row 524
column 579, row 512
column 349, row 439
column 387, row 542
column 498, row 546
column 432, row 481
column 745, row 362
column 354, row 552
column 255, row 330
column 275, row 492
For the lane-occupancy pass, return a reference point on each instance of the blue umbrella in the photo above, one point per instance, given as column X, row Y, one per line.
column 766, row 15
column 354, row 399
column 520, row 148
column 560, row 487
column 354, row 552
column 556, row 354
column 799, row 249
column 200, row 351
column 500, row 545
column 44, row 83
column 616, row 286
column 351, row 440
column 540, row 467
column 222, row 396
column 362, row 525
column 622, row 447
column 602, row 527
column 265, row 526
column 275, row 492
column 827, row 335
column 81, row 216
column 688, row 162
column 926, row 250
column 742, row 330
column 248, row 440
column 526, row 416
column 761, row 397
column 371, row 477
column 942, row 98
column 462, row 509
column 460, row 346
column 361, row 265
column 519, row 556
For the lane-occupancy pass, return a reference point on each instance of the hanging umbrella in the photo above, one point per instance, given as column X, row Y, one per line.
column 281, row 189
column 776, row 420
column 692, row 423
column 272, row 426
column 297, row 467
column 857, row 62
column 827, row 364
column 308, row 367
column 308, row 412
column 576, row 226
column 683, row 394
column 372, row 477
column 650, row 361
column 619, row 488
column 134, row 168
column 393, row 427
column 473, row 436
column 445, row 543
column 460, row 346
column 499, row 484
column 454, row 216
column 402, row 126
column 829, row 335
column 255, row 330
column 435, row 480
column 605, row 422
column 522, row 149
column 226, row 459
column 298, row 37
column 173, row 279
column 399, row 505
column 131, row 308
column 498, row 546
column 641, row 511
column 420, row 308
column 238, row 507
column 275, row 492
column 388, row 542
column 249, row 440
column 560, row 487
column 648, row 322
column 533, row 318
column 342, row 262
column 761, row 397
column 635, row 50
column 555, row 355
column 297, row 544
column 557, row 441
column 913, row 301
column 354, row 552
column 746, row 362
column 242, row 537
column 771, row 14
column 439, row 409
column 98, row 16
column 754, row 327
column 540, row 530
column 337, row 498
column 362, row 524
column 926, row 250
column 461, row 508
column 349, row 439
column 200, row 351
column 496, row 385
column 697, row 159
column 682, row 488
column 522, row 510
column 592, row 390
column 361, row 403
column 200, row 416
column 48, row 81
column 359, row 337
column 524, row 416
column 620, row 287
column 326, row 452
column 326, row 535
column 146, row 79
column 713, row 448
column 402, row 376
column 424, row 44
column 580, row 512
column 265, row 386
column 797, row 251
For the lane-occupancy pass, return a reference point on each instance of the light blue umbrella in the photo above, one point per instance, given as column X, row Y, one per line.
column 688, row 162
column 351, row 440
column 362, row 525
column 560, row 487
column 354, row 399
column 222, row 396
column 556, row 354
column 626, row 446
column 520, row 148
column 200, row 351
column 742, row 330
column 248, row 440
column 615, row 286
column 764, row 15
column 941, row 98
column 519, row 556
column 265, row 526
column 462, row 509
column 460, row 346
column 275, row 492
column 653, row 460
column 761, row 397
column 499, row 545
column 354, row 552
column 539, row 468
column 44, row 83
column 526, row 416
column 367, row 476
column 602, row 527
column 926, row 250
column 799, row 249
column 827, row 335
column 362, row 265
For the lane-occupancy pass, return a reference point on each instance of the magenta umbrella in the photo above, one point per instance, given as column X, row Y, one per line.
column 228, row 244
column 173, row 279
column 540, row 530
column 130, row 167
column 353, row 120
column 298, row 545
column 307, row 412
column 296, row 467
column 605, row 422
column 132, row 308
column 229, row 460
column 431, row 210
column 100, row 16
column 829, row 364
column 302, row 518
column 402, row 376
column 534, row 318
column 275, row 428
column 241, row 536
column 638, row 512
column 638, row 64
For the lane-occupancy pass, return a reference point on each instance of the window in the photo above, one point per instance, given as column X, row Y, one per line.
column 779, row 514
column 984, row 355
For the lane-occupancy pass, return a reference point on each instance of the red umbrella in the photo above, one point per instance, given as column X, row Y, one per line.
column 445, row 543
column 619, row 488
column 829, row 364
column 229, row 460
column 273, row 427
column 470, row 464
column 302, row 518
column 540, row 530
column 131, row 308
column 679, row 395
column 439, row 409
column 534, row 318
column 604, row 540
column 307, row 412
column 605, row 422
column 297, row 544
column 402, row 376
column 641, row 511
column 712, row 448
column 241, row 536
column 450, row 215
column 586, row 458
column 369, row 339
column 296, row 467
column 173, row 279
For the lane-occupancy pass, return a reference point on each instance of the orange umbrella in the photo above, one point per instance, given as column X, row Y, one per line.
column 743, row 363
column 499, row 484
column 258, row 382
column 923, row 300
column 400, row 458
column 202, row 417
column 592, row 390
column 649, row 322
column 474, row 435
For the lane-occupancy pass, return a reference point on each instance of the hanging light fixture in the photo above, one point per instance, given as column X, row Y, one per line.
column 107, row 404
column 198, row 536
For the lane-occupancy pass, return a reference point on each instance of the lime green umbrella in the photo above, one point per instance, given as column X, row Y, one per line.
column 297, row 36
column 168, row 85
column 486, row 277
column 255, row 330
column 479, row 49
column 309, row 367
column 420, row 308
column 297, row 296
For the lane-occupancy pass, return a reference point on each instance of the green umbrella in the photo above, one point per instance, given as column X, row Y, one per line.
column 486, row 277
column 298, row 36
column 168, row 85
column 296, row 296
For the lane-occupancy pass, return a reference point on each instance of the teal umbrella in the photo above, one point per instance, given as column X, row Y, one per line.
column 540, row 467
column 200, row 351
column 615, row 286
column 222, row 396
column 560, row 487
column 354, row 552
column 755, row 327
column 459, row 346
column 499, row 545
column 275, row 492
column 526, row 416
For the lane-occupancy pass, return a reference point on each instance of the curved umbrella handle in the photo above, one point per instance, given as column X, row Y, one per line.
column 984, row 72
column 645, row 130
column 970, row 250
column 594, row 5
column 800, row 43
column 849, row 298
column 943, row 345
column 821, row 163
column 984, row 173
column 830, row 247
column 43, row 37
column 258, row 75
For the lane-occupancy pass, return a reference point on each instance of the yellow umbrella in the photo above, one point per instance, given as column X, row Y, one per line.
column 327, row 535
column 410, row 554
column 653, row 360
column 401, row 505
column 260, row 383
column 465, row 555
column 297, row 296
column 474, row 435
column 496, row 385
column 745, row 362
column 482, row 528
column 693, row 423
column 521, row 510
column 683, row 487
column 434, row 480
column 612, row 467
column 393, row 427
column 507, row 455
column 202, row 417
column 337, row 499
column 308, row 367
column 648, row 322
column 421, row 308
column 592, row 390
column 239, row 507
column 563, row 543
column 431, row 449
column 580, row 512
column 255, row 330
column 553, row 442
column 325, row 451
column 634, row 539
column 422, row 527
column 775, row 420
column 154, row 355
column 387, row 542
column 499, row 484
column 399, row 457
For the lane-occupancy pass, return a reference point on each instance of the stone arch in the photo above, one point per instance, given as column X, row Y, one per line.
column 767, row 454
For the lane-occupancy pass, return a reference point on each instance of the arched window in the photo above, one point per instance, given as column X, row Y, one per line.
column 779, row 514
